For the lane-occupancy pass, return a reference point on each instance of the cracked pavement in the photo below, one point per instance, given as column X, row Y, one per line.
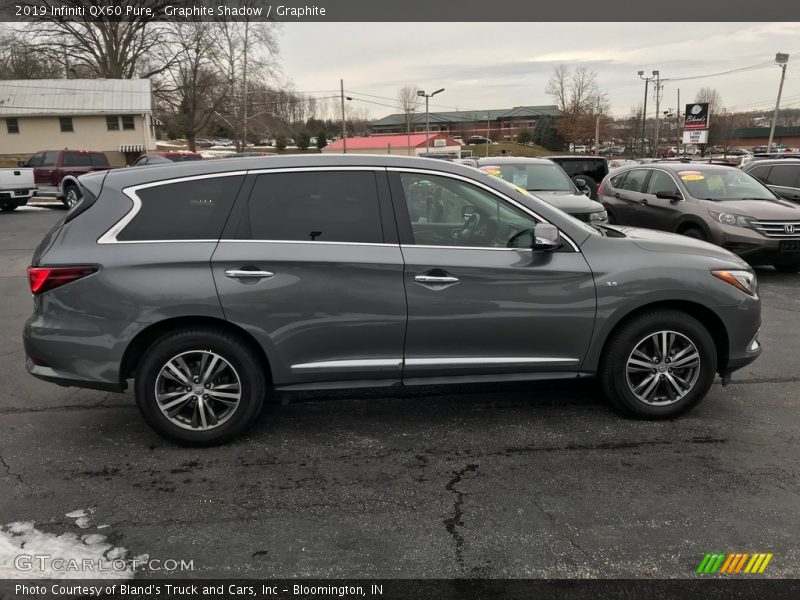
column 517, row 480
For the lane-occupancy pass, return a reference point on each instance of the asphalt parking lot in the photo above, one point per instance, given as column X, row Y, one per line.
column 492, row 481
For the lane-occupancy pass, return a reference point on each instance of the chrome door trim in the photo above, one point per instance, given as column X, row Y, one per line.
column 236, row 273
column 243, row 241
column 489, row 189
column 488, row 360
column 435, row 279
column 358, row 365
column 377, row 169
column 110, row 236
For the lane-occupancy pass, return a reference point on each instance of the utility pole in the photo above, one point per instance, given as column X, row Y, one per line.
column 488, row 131
column 678, row 125
column 344, row 123
column 244, row 88
column 781, row 60
column 658, row 107
column 597, row 131
column 644, row 110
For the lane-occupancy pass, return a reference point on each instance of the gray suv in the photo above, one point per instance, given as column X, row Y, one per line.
column 209, row 284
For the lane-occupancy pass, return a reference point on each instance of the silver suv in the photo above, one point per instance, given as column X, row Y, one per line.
column 209, row 284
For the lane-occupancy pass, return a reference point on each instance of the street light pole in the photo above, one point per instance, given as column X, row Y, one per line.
column 658, row 107
column 344, row 121
column 644, row 109
column 427, row 117
column 781, row 60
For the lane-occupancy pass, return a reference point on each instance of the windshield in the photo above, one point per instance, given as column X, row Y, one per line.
column 533, row 177
column 724, row 184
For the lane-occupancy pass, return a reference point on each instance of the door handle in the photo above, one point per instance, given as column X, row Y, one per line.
column 644, row 201
column 244, row 273
column 435, row 279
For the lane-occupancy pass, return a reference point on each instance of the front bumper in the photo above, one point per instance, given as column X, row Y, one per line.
column 753, row 247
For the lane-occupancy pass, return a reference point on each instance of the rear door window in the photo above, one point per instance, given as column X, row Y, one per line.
column 185, row 210
column 99, row 160
column 315, row 206
column 761, row 173
column 77, row 159
column 635, row 180
column 784, row 175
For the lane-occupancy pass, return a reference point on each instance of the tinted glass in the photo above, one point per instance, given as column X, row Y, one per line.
column 324, row 206
column 183, row 157
column 723, row 184
column 784, row 175
column 761, row 173
column 187, row 210
column 36, row 160
column 50, row 159
column 617, row 180
column 662, row 182
column 77, row 159
column 99, row 160
column 533, row 177
column 634, row 182
column 594, row 168
column 449, row 212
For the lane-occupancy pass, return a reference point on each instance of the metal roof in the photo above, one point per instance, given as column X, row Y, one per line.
column 373, row 142
column 462, row 116
column 72, row 97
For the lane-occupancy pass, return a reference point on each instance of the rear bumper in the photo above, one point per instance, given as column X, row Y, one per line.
column 52, row 376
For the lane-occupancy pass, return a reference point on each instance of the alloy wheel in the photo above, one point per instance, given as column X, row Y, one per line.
column 663, row 368
column 198, row 390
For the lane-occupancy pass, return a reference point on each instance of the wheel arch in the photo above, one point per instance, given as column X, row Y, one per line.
column 692, row 222
column 145, row 338
column 707, row 317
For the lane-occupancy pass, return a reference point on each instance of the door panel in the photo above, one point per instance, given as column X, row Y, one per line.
column 328, row 303
column 660, row 213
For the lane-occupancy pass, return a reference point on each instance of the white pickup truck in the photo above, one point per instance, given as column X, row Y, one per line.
column 16, row 188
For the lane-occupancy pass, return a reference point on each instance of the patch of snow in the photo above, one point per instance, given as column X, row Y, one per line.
column 91, row 556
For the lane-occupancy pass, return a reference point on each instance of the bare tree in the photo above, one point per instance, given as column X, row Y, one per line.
column 409, row 102
column 579, row 98
column 712, row 96
column 20, row 60
column 102, row 47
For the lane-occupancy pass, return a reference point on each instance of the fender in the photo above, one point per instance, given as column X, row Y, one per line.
column 68, row 180
column 694, row 221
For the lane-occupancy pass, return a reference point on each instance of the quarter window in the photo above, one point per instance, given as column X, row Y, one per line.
column 315, row 206
column 634, row 182
column 662, row 182
column 448, row 212
column 66, row 124
column 185, row 210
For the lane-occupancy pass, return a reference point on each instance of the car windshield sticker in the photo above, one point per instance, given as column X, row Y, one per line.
column 493, row 171
column 691, row 175
column 520, row 178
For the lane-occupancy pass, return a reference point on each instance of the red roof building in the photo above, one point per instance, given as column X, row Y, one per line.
column 402, row 144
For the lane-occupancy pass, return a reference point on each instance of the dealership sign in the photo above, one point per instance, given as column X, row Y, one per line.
column 696, row 116
column 695, row 137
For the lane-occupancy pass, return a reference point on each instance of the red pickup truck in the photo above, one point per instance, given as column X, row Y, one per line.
column 56, row 171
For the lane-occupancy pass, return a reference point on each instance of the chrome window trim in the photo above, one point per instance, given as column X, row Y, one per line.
column 316, row 243
column 670, row 175
column 492, row 191
column 493, row 248
column 357, row 364
column 110, row 236
column 296, row 169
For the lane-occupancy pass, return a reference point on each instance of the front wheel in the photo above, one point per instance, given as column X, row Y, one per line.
column 200, row 387
column 8, row 206
column 696, row 233
column 658, row 365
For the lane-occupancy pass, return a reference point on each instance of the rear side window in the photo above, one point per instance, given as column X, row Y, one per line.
column 634, row 182
column 99, row 160
column 784, row 175
column 761, row 173
column 323, row 206
column 77, row 159
column 186, row 210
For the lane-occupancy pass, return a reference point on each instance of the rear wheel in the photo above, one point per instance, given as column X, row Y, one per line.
column 696, row 233
column 658, row 365
column 8, row 206
column 787, row 267
column 200, row 387
column 71, row 196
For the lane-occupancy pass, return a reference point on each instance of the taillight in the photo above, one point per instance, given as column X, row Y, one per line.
column 601, row 189
column 43, row 279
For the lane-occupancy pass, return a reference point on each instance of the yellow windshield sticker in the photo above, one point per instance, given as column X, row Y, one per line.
column 493, row 171
column 691, row 175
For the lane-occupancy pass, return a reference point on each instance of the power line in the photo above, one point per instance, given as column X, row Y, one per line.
column 737, row 70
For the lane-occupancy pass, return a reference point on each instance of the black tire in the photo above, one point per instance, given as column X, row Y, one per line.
column 787, row 267
column 614, row 377
column 71, row 195
column 8, row 206
column 246, row 366
column 696, row 233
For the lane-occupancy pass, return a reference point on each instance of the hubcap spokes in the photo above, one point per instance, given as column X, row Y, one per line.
column 663, row 368
column 198, row 390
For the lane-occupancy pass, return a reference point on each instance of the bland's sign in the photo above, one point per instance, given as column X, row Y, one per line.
column 696, row 116
column 695, row 137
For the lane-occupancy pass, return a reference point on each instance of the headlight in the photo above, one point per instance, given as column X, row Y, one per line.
column 744, row 280
column 731, row 219
column 601, row 216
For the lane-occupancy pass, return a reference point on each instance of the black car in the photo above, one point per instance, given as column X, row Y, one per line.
column 478, row 139
column 781, row 176
column 592, row 169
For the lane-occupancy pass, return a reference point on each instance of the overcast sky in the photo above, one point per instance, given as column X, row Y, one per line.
column 500, row 65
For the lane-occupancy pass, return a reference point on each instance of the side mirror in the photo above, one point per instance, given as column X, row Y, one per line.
column 546, row 237
column 669, row 196
column 581, row 183
column 467, row 211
